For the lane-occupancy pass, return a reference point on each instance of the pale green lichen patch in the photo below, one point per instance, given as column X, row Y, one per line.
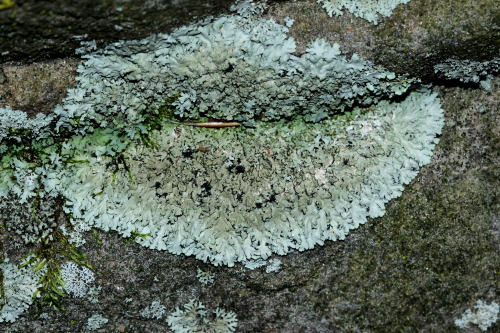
column 194, row 318
column 467, row 71
column 255, row 76
column 19, row 286
column 111, row 158
column 370, row 10
column 484, row 316
column 233, row 195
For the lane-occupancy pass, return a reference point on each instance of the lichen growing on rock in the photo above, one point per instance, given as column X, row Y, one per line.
column 96, row 322
column 234, row 195
column 231, row 68
column 484, row 316
column 77, row 280
column 19, row 287
column 155, row 311
column 194, row 318
column 370, row 10
column 469, row 71
column 288, row 185
column 15, row 124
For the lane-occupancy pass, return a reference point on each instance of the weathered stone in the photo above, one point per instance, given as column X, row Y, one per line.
column 435, row 252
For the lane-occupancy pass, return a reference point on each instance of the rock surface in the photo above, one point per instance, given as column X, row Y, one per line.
column 36, row 30
column 434, row 253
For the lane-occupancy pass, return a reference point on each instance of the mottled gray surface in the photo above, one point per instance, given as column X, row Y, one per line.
column 35, row 30
column 416, row 269
column 417, row 36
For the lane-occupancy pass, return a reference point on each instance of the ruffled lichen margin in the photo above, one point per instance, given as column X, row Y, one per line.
column 234, row 195
column 228, row 195
column 370, row 10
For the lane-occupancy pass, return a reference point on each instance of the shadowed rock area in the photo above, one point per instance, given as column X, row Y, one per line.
column 39, row 30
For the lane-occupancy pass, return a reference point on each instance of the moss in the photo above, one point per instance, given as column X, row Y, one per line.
column 435, row 249
column 6, row 4
column 427, row 252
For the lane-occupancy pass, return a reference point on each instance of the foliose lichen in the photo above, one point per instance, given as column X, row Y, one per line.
column 205, row 278
column 15, row 124
column 231, row 68
column 156, row 310
column 248, row 8
column 93, row 294
column 21, row 220
column 286, row 185
column 194, row 318
column 234, row 195
column 273, row 266
column 77, row 279
column 20, row 284
column 96, row 322
column 370, row 10
column 468, row 71
column 320, row 169
column 254, row 263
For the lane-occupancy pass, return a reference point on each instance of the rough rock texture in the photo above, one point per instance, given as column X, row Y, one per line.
column 418, row 268
column 36, row 30
column 417, row 36
column 37, row 87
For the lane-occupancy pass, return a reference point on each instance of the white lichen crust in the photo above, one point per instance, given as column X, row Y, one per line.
column 233, row 195
column 370, row 10
column 484, row 316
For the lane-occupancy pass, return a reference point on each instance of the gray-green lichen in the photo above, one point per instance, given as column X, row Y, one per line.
column 248, row 8
column 469, row 71
column 370, row 10
column 235, row 195
column 231, row 68
column 19, row 287
column 21, row 218
column 232, row 195
column 484, row 316
column 156, row 310
column 15, row 124
column 194, row 318
column 77, row 280
column 96, row 322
